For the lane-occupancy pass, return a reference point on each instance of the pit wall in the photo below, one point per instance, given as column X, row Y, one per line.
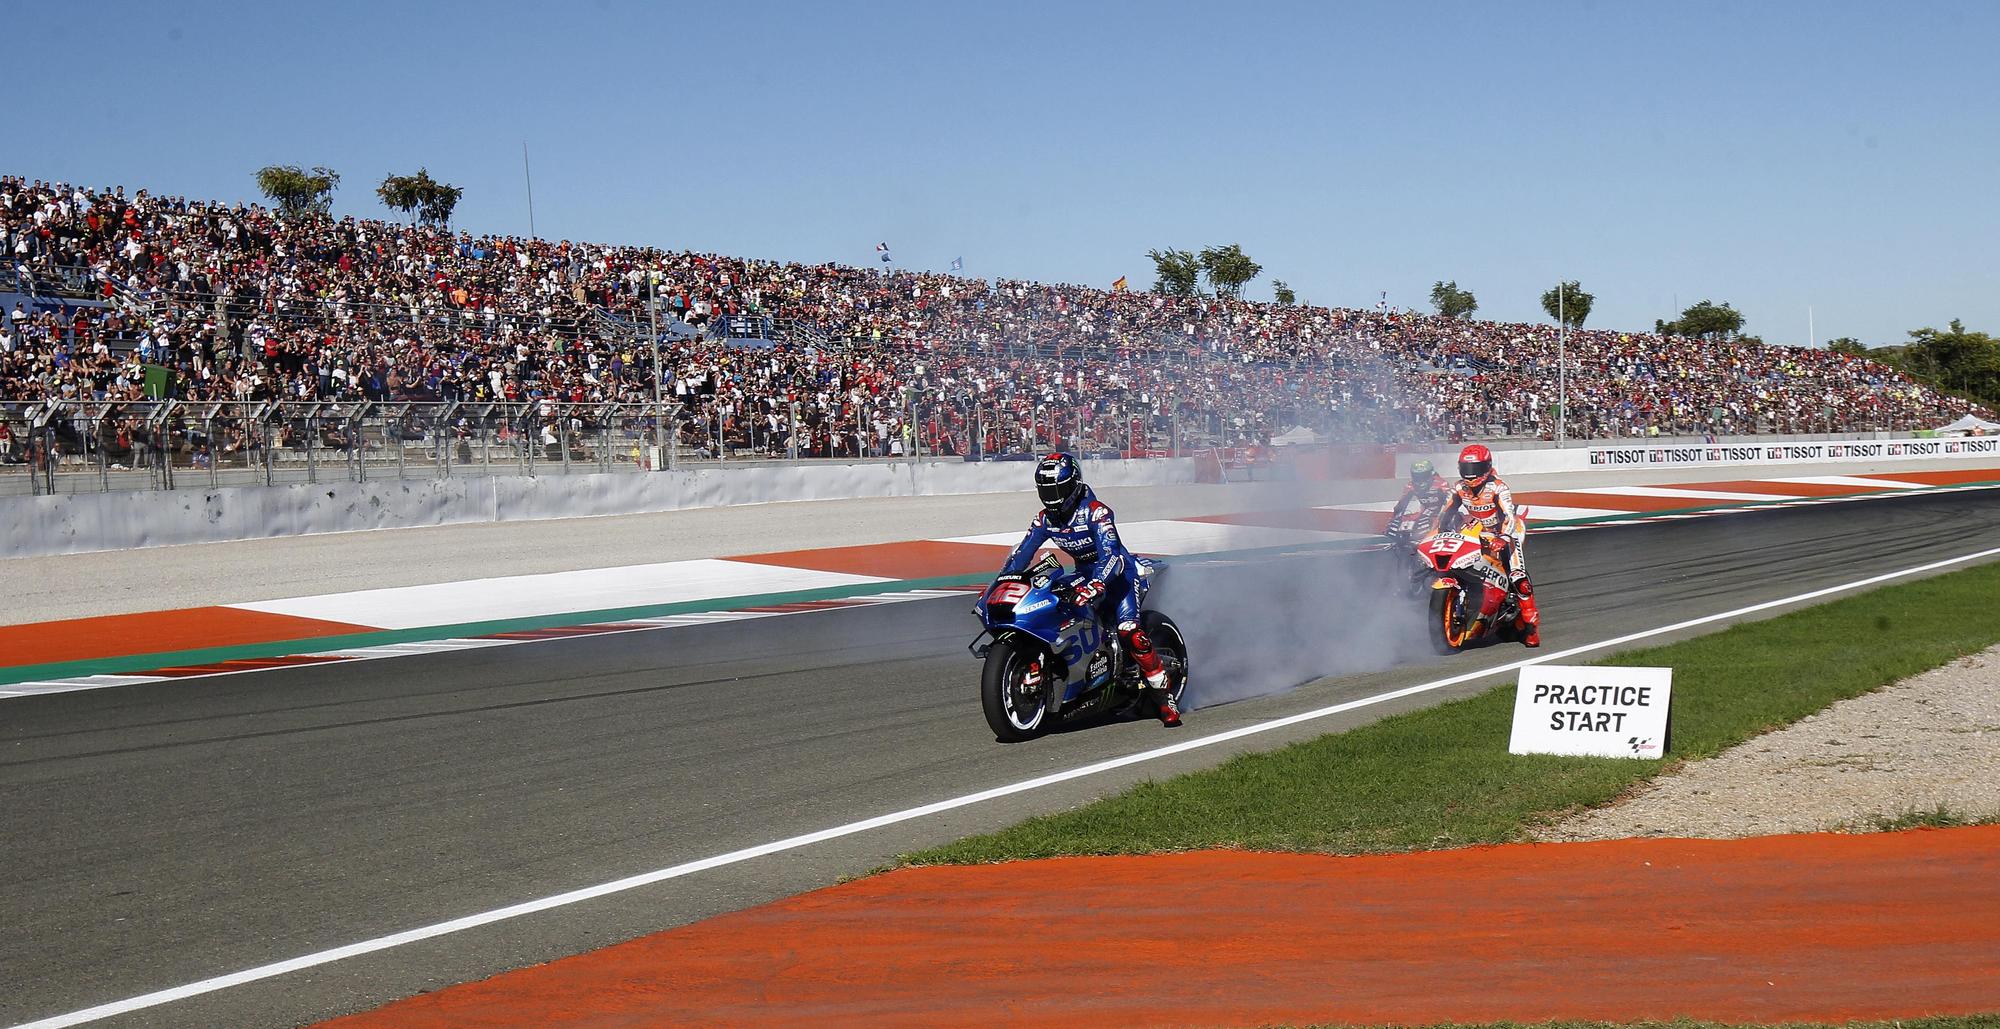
column 1656, row 456
column 80, row 522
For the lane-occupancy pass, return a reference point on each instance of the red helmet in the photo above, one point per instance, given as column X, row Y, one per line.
column 1475, row 465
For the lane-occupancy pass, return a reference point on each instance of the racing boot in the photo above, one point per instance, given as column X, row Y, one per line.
column 1153, row 671
column 1170, row 715
column 1529, row 620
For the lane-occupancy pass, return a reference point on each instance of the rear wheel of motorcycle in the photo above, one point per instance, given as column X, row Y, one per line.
column 1448, row 618
column 1013, row 711
column 1172, row 650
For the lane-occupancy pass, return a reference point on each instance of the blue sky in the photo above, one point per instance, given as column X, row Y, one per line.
column 1773, row 155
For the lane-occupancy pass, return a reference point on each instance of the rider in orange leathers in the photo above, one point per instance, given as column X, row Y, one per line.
column 1483, row 497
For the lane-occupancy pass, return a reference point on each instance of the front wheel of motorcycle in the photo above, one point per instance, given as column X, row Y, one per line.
column 1449, row 634
column 1015, row 710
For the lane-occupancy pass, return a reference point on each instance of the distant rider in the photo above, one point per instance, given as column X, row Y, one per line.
column 1426, row 490
column 1483, row 497
column 1078, row 524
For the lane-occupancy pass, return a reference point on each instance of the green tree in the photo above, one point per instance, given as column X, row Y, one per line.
column 428, row 199
column 1283, row 292
column 1177, row 273
column 298, row 192
column 1957, row 359
column 1229, row 269
column 400, row 193
column 1848, row 345
column 1451, row 301
column 1706, row 320
column 443, row 199
column 1571, row 305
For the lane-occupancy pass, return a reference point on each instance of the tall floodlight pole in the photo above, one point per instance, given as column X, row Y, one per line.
column 1562, row 369
column 529, row 175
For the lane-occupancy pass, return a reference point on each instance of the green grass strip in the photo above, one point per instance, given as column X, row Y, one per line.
column 1442, row 777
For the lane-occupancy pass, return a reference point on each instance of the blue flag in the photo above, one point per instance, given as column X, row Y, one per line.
column 958, row 264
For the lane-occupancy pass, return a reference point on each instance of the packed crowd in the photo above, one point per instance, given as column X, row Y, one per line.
column 243, row 305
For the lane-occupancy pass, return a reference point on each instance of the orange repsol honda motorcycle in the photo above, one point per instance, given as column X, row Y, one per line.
column 1471, row 598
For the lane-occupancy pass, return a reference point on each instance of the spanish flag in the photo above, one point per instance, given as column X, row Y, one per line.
column 1119, row 285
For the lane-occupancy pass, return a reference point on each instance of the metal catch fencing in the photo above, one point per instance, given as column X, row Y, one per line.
column 104, row 445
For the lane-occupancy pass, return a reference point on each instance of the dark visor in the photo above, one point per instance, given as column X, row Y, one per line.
column 1053, row 493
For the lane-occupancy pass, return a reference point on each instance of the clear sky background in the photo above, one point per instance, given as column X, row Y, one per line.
column 1774, row 155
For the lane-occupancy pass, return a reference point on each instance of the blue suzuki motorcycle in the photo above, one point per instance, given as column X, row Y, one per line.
column 1049, row 659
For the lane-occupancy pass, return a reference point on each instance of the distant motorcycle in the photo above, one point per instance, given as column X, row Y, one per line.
column 1471, row 595
column 1413, row 571
column 1050, row 659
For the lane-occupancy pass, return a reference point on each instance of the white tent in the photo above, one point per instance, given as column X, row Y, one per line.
column 1970, row 425
column 1297, row 435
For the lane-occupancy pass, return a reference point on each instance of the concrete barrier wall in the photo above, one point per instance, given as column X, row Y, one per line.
column 1584, row 458
column 74, row 523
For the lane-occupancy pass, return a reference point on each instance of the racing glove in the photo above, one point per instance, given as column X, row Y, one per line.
column 1087, row 592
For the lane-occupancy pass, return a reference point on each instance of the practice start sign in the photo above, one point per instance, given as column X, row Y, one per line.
column 1591, row 711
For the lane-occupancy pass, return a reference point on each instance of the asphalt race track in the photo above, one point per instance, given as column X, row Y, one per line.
column 161, row 834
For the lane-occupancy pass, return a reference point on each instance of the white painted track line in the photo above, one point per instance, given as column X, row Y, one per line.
column 1680, row 493
column 381, row 943
column 1370, row 506
column 1870, row 482
column 555, row 593
column 1553, row 513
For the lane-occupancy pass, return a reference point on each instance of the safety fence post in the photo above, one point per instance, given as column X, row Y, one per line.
column 530, row 434
column 312, row 443
column 214, row 452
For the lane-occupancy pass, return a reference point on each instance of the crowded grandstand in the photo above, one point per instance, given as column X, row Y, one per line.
column 233, row 302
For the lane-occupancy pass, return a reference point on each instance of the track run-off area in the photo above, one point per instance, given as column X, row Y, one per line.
column 305, row 842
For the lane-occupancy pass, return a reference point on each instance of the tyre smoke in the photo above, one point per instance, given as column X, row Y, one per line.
column 1262, row 623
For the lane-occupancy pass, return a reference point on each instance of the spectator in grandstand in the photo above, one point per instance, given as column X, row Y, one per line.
column 242, row 305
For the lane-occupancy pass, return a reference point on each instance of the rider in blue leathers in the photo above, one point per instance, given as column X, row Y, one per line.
column 1081, row 526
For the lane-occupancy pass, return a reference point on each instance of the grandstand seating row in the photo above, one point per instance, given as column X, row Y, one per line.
column 244, row 305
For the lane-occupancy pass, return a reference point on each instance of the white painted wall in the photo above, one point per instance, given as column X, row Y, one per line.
column 1658, row 456
column 75, row 523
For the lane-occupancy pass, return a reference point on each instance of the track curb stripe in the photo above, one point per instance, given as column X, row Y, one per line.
column 541, row 628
